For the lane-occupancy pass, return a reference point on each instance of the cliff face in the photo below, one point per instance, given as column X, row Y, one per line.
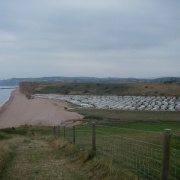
column 27, row 88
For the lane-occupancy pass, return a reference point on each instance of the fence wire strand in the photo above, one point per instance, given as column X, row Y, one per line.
column 137, row 151
column 128, row 152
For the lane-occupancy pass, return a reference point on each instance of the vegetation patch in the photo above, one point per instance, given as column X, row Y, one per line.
column 90, row 88
column 128, row 116
column 6, row 155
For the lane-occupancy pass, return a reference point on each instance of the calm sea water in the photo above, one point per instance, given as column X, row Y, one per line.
column 5, row 94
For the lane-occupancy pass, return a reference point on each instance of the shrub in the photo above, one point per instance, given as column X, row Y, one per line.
column 93, row 117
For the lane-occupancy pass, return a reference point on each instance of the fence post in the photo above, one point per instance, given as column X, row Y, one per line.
column 54, row 130
column 93, row 137
column 64, row 131
column 166, row 154
column 59, row 131
column 74, row 135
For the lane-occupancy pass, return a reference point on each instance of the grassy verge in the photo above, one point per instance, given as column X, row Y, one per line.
column 27, row 129
column 94, row 167
column 40, row 156
column 6, row 154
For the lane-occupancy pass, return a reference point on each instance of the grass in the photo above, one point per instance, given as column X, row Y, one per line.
column 38, row 156
column 87, row 88
column 123, row 147
column 30, row 152
column 5, row 155
column 44, row 157
column 129, row 116
column 140, row 120
column 124, row 128
column 95, row 168
column 26, row 129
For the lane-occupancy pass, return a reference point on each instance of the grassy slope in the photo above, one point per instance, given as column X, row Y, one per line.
column 33, row 157
column 25, row 154
column 37, row 156
column 141, row 120
column 152, row 89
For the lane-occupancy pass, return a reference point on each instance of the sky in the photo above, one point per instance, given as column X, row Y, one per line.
column 94, row 38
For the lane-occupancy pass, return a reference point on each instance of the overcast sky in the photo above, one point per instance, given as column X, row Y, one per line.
column 100, row 38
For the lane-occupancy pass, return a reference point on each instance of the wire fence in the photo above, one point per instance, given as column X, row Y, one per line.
column 139, row 152
column 129, row 153
column 175, row 158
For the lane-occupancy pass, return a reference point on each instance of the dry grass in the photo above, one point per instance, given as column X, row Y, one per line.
column 27, row 140
column 58, row 143
column 41, row 157
column 85, row 156
column 62, row 144
column 37, row 159
column 5, row 152
column 103, row 166
column 95, row 168
column 88, row 88
column 71, row 149
column 154, row 89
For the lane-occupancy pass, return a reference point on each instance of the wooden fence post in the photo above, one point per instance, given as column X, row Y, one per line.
column 74, row 135
column 64, row 131
column 166, row 154
column 59, row 131
column 93, row 137
column 54, row 130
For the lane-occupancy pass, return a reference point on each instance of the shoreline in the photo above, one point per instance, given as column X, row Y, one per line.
column 7, row 102
column 11, row 88
column 19, row 110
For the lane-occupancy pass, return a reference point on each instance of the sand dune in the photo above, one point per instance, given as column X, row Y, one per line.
column 19, row 111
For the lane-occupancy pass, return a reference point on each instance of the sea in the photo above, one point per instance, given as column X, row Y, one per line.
column 5, row 92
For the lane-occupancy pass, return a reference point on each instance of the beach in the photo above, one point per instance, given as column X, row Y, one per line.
column 38, row 112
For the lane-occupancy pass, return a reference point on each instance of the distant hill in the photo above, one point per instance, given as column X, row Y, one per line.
column 16, row 81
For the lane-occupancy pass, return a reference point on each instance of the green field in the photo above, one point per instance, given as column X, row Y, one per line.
column 141, row 120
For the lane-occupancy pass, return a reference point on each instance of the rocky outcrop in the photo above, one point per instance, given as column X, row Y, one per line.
column 27, row 88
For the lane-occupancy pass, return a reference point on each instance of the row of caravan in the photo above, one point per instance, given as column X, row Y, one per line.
column 155, row 103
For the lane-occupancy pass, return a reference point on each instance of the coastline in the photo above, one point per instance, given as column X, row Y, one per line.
column 7, row 102
column 19, row 110
column 7, row 95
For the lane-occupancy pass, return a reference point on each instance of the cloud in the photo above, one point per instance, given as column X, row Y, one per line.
column 90, row 38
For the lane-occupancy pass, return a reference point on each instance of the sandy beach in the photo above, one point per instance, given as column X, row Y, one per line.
column 20, row 111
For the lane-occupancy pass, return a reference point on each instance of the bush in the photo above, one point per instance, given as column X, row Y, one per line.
column 93, row 117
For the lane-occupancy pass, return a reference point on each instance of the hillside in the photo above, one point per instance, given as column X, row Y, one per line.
column 87, row 88
column 16, row 81
column 32, row 153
